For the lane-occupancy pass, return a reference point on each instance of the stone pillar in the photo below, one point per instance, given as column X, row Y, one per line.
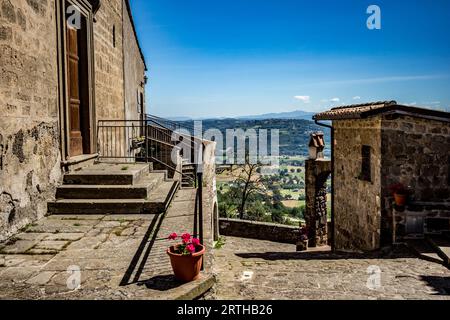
column 316, row 174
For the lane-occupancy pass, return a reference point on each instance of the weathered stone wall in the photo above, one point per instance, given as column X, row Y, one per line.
column 416, row 154
column 29, row 134
column 109, row 75
column 134, row 69
column 259, row 230
column 356, row 202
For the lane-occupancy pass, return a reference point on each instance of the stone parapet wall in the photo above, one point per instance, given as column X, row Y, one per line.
column 259, row 230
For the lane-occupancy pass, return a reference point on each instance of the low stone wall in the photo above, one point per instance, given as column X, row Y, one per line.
column 258, row 230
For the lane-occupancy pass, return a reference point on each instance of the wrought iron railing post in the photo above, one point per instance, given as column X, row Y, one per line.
column 146, row 142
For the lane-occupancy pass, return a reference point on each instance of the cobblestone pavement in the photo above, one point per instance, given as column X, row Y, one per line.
column 254, row 269
column 119, row 256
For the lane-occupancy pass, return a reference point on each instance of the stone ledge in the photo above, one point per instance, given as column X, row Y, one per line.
column 195, row 289
column 259, row 230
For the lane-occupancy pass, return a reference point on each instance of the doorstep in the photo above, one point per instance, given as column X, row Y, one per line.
column 77, row 162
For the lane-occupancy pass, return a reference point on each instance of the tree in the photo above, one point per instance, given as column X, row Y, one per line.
column 250, row 181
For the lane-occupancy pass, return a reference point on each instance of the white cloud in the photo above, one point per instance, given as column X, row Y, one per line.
column 357, row 98
column 305, row 99
column 334, row 100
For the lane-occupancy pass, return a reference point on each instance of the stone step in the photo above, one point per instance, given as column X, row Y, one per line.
column 139, row 190
column 424, row 250
column 101, row 192
column 157, row 202
column 190, row 167
column 442, row 246
column 108, row 174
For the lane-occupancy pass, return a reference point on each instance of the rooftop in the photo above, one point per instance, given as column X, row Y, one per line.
column 361, row 111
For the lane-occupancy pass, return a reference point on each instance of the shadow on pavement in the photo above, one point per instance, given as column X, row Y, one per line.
column 440, row 284
column 327, row 255
column 140, row 252
column 161, row 283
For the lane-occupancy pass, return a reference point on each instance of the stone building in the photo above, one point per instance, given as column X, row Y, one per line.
column 377, row 145
column 56, row 80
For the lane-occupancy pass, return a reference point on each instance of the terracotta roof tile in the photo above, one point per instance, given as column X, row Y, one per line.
column 360, row 111
column 352, row 111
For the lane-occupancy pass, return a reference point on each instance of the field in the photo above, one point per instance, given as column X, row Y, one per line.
column 289, row 181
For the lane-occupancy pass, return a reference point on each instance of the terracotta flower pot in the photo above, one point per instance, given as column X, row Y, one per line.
column 186, row 268
column 400, row 199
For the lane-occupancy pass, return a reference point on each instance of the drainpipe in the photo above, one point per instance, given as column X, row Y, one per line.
column 332, row 177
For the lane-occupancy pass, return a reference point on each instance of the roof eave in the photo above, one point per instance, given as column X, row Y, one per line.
column 397, row 109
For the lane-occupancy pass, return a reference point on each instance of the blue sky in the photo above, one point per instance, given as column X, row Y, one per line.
column 210, row 58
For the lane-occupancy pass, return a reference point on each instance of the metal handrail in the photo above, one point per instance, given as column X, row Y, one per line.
column 163, row 122
column 119, row 139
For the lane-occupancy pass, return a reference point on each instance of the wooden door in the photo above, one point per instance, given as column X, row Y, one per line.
column 75, row 136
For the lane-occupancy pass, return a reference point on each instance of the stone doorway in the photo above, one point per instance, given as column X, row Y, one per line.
column 77, row 111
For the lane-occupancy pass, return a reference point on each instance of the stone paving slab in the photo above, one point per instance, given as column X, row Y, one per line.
column 43, row 261
column 255, row 269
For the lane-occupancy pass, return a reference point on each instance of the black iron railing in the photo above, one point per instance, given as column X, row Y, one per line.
column 142, row 141
column 170, row 124
column 156, row 140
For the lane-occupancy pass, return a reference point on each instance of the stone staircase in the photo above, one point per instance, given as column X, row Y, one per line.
column 189, row 177
column 105, row 188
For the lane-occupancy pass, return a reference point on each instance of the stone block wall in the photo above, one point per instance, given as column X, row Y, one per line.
column 357, row 202
column 259, row 230
column 29, row 133
column 109, row 75
column 416, row 154
column 134, row 69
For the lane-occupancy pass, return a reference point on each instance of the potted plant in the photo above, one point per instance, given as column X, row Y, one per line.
column 186, row 257
column 400, row 193
column 137, row 142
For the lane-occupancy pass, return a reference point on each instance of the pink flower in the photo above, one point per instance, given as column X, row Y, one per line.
column 173, row 236
column 186, row 237
column 195, row 241
column 190, row 248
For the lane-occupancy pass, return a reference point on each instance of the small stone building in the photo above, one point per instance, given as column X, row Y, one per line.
column 64, row 65
column 377, row 145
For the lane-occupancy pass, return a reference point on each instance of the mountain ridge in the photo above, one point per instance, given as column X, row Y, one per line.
column 297, row 114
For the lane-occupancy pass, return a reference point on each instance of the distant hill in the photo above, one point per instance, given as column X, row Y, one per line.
column 294, row 133
column 296, row 115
